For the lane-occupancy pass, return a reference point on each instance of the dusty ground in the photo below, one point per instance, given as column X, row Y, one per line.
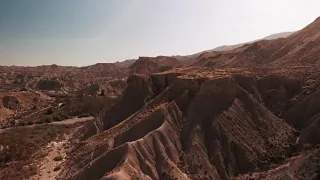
column 52, row 163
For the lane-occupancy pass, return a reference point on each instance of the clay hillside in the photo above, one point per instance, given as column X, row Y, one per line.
column 146, row 65
column 298, row 49
column 248, row 113
column 187, row 60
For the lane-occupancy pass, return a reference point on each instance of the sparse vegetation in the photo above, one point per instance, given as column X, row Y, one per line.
column 49, row 111
column 93, row 89
column 58, row 158
column 48, row 119
column 82, row 115
column 57, row 168
column 56, row 117
column 21, row 123
column 90, row 105
column 19, row 144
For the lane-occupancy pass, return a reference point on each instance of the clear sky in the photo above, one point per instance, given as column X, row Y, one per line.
column 83, row 32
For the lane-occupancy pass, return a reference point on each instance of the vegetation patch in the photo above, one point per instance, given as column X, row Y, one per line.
column 58, row 158
column 57, row 168
column 18, row 145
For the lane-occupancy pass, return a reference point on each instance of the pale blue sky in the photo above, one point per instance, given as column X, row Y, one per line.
column 83, row 32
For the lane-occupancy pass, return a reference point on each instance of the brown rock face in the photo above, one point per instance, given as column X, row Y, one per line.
column 185, row 128
column 304, row 166
column 147, row 65
column 134, row 97
column 305, row 116
column 248, row 113
column 144, row 66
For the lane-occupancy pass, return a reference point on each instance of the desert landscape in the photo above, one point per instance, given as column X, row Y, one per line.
column 243, row 112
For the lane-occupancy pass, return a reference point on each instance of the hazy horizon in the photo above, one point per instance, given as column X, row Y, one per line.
column 80, row 32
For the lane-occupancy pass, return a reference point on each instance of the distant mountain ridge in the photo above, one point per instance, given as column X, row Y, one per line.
column 298, row 49
column 189, row 59
column 270, row 37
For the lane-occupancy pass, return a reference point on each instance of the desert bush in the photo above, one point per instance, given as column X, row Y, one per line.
column 23, row 141
column 57, row 117
column 92, row 104
column 21, row 123
column 23, row 89
column 58, row 158
column 20, row 144
column 57, row 168
column 82, row 115
column 49, row 85
column 93, row 89
column 48, row 119
column 39, row 122
column 49, row 111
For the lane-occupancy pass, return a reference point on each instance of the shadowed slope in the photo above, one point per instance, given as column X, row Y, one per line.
column 191, row 128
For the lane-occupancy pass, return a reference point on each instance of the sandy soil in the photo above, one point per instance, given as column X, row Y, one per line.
column 52, row 164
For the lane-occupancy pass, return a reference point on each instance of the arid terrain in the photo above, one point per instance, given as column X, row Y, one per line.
column 249, row 111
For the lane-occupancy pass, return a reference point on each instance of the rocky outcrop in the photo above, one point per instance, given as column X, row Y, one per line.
column 147, row 65
column 169, row 126
column 149, row 149
column 135, row 96
column 144, row 66
column 305, row 116
column 237, row 131
column 304, row 112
